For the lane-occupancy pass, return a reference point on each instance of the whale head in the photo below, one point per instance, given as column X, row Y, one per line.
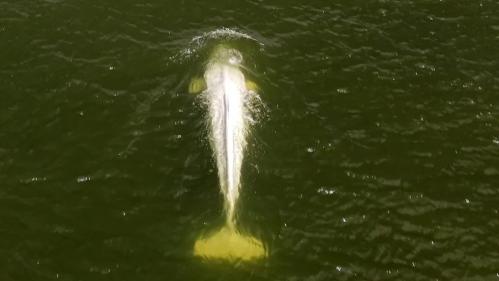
column 226, row 55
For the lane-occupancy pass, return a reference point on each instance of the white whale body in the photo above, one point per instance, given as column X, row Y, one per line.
column 227, row 100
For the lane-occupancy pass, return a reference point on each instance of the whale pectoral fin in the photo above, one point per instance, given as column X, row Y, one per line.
column 197, row 85
column 252, row 86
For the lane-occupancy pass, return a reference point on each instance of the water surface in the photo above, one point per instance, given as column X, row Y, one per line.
column 377, row 157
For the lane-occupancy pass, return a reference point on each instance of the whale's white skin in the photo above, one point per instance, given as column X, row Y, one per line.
column 228, row 114
column 230, row 110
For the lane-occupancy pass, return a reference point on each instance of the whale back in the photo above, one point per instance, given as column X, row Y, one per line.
column 225, row 96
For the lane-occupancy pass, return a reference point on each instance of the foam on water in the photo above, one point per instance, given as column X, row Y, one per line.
column 201, row 41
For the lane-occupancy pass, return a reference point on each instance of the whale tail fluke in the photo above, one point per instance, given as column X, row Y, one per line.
column 229, row 244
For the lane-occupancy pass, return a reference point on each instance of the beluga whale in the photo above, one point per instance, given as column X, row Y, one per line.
column 228, row 98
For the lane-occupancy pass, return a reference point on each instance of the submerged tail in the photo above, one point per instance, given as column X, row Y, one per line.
column 227, row 243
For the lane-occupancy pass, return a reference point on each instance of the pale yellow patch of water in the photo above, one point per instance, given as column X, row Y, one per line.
column 228, row 244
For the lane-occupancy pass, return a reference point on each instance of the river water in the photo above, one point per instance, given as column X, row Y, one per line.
column 375, row 157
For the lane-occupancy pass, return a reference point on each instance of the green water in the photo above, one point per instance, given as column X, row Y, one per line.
column 376, row 156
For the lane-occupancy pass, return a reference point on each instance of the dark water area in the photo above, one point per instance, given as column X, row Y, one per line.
column 376, row 157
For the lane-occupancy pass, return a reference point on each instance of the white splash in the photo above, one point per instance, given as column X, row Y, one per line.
column 222, row 33
column 198, row 43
